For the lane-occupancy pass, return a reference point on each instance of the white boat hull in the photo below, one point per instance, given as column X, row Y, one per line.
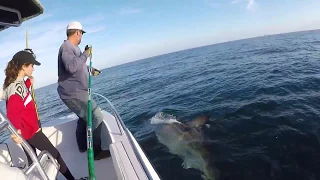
column 123, row 163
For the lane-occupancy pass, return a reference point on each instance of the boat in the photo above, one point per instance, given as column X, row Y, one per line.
column 127, row 162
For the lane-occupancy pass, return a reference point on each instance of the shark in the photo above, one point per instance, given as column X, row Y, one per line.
column 185, row 140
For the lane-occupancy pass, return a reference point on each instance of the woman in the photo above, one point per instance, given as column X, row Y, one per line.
column 21, row 110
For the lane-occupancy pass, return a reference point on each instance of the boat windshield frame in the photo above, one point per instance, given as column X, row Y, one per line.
column 14, row 12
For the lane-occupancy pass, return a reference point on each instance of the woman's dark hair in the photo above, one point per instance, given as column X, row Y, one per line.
column 11, row 72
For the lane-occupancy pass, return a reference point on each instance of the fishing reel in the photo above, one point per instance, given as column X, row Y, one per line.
column 30, row 51
column 88, row 47
column 96, row 72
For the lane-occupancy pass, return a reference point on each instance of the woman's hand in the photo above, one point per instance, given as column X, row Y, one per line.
column 15, row 138
column 31, row 80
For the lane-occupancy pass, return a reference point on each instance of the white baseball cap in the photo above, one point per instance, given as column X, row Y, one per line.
column 75, row 25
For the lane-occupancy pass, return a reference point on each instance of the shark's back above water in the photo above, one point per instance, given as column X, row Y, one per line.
column 185, row 140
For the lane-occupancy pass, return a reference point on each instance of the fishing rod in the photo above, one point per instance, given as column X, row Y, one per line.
column 89, row 124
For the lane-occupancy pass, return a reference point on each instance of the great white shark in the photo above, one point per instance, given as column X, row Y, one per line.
column 185, row 140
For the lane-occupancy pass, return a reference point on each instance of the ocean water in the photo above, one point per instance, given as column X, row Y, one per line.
column 262, row 96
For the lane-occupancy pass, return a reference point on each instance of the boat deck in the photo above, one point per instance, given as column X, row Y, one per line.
column 63, row 138
column 124, row 163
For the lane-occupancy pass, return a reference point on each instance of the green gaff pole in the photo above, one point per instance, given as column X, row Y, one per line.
column 89, row 128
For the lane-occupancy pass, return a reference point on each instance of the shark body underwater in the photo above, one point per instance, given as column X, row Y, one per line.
column 185, row 140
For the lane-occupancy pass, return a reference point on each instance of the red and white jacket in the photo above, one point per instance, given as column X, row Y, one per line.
column 21, row 110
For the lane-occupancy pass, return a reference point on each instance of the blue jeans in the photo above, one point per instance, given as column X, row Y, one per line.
column 79, row 106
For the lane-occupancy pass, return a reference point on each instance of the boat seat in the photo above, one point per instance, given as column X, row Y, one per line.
column 17, row 169
column 11, row 173
column 16, row 173
column 13, row 155
column 51, row 168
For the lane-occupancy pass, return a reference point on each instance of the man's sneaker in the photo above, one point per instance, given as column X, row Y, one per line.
column 83, row 178
column 82, row 150
column 102, row 154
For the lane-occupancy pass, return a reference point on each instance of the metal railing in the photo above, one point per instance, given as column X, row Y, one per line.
column 5, row 124
column 116, row 114
column 132, row 141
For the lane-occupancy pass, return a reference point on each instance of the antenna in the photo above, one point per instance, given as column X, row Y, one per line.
column 27, row 38
column 32, row 89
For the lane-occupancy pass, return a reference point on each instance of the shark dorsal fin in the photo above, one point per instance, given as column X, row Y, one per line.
column 198, row 121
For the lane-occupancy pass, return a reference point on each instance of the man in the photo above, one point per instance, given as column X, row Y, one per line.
column 72, row 88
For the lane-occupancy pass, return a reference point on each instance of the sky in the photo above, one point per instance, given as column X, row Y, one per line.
column 123, row 31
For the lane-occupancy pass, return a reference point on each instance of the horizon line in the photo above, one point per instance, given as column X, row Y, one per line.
column 201, row 46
